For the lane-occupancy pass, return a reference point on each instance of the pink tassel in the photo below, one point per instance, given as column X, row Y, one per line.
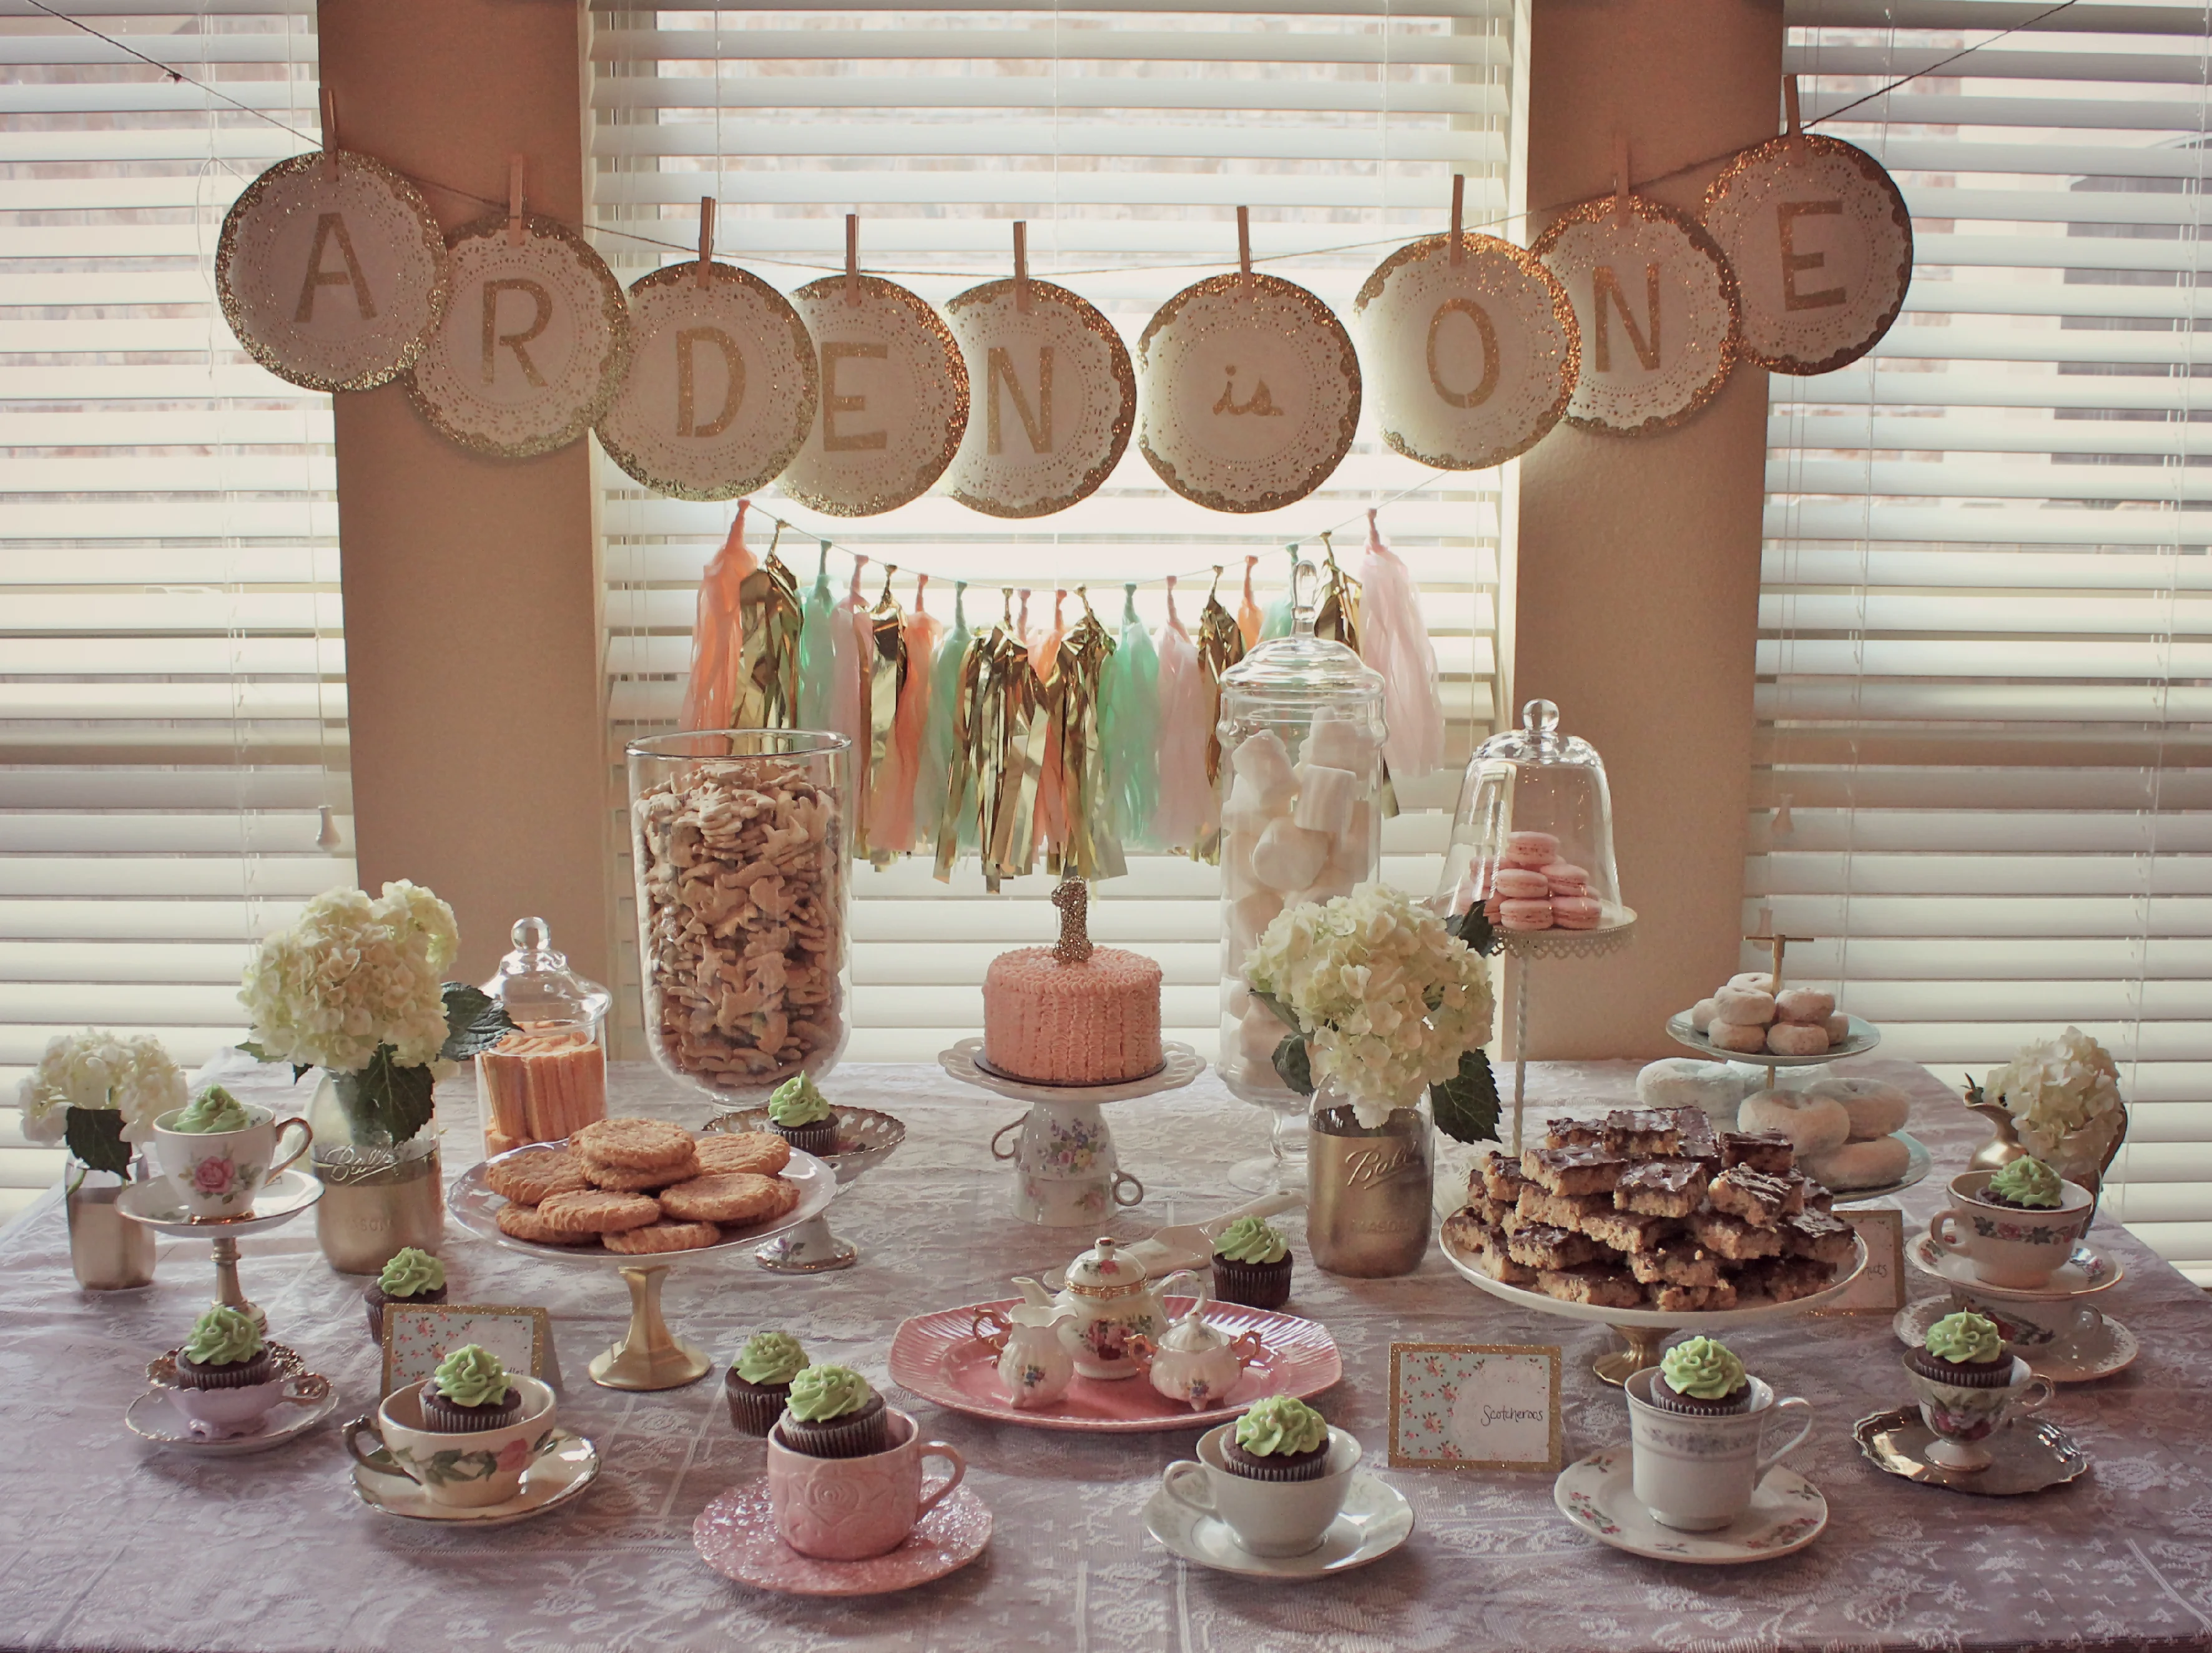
column 893, row 827
column 1249, row 620
column 1393, row 639
column 711, row 690
column 1186, row 800
column 852, row 639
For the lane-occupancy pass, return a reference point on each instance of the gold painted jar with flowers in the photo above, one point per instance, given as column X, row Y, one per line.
column 100, row 1094
column 2058, row 1100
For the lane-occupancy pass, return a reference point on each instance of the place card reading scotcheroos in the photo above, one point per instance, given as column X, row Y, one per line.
column 1880, row 1288
column 1474, row 1406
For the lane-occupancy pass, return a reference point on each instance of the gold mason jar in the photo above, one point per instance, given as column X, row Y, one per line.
column 1368, row 1198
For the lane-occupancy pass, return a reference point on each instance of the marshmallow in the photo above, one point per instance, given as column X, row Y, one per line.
column 1798, row 1039
column 1249, row 917
column 1237, row 879
column 1287, row 856
column 1259, row 1033
column 1701, row 1015
column 1685, row 1082
column 1813, row 1124
column 1519, row 884
column 1877, row 1108
column 1534, row 850
column 1744, row 1007
column 1338, row 744
column 1839, row 1028
column 1355, row 844
column 1874, row 1164
column 1576, row 912
column 1235, row 1000
column 1325, row 798
column 1525, row 915
column 1727, row 1035
column 1804, row 1004
column 1263, row 760
column 1247, row 810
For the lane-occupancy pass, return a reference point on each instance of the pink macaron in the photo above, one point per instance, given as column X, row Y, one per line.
column 1534, row 850
column 1519, row 884
column 1576, row 912
column 1525, row 915
column 1566, row 879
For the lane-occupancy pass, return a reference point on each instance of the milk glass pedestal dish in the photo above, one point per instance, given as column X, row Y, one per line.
column 865, row 1139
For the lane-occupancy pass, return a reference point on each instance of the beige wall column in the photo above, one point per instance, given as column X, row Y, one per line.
column 1639, row 571
column 472, row 584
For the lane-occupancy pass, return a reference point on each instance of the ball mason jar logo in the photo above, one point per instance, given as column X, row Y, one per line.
column 1375, row 1168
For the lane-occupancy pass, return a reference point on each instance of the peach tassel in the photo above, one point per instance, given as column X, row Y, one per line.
column 1179, row 821
column 855, row 642
column 1249, row 620
column 894, row 827
column 716, row 643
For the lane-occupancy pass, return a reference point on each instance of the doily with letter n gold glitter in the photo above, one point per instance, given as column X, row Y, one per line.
column 893, row 402
column 1822, row 243
column 1053, row 400
column 331, row 270
column 1249, row 394
column 1656, row 304
column 1471, row 362
column 533, row 345
column 721, row 388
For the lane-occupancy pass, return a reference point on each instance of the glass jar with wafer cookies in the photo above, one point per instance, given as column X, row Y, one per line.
column 547, row 1078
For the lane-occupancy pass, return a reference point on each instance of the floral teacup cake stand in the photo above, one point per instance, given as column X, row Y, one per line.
column 158, row 1205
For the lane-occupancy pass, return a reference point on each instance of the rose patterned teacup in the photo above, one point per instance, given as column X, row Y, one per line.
column 1961, row 1418
column 218, row 1173
column 850, row 1509
column 468, row 1468
column 2006, row 1245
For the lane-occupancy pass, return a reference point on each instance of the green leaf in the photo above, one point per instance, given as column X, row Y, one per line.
column 94, row 1135
column 1974, row 1096
column 252, row 1050
column 1466, row 1103
column 1282, row 1010
column 1295, row 1065
column 475, row 1021
column 1473, row 927
column 385, row 1103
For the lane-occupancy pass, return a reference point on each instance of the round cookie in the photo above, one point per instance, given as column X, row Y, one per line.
column 735, row 1198
column 1877, row 1108
column 1743, row 1008
column 663, row 1235
column 623, row 1180
column 762, row 1153
column 523, row 1223
column 1813, row 1124
column 1576, row 912
column 1796, row 1039
column 637, row 1145
column 1726, row 1035
column 1525, row 915
column 597, row 1210
column 1686, row 1082
column 1804, row 1004
column 1519, row 884
column 527, row 1177
column 1860, row 1164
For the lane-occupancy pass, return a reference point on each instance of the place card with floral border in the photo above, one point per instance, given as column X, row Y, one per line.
column 1474, row 1406
column 417, row 1336
column 1880, row 1288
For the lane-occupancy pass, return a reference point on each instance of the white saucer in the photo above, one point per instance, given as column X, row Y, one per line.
column 152, row 1417
column 559, row 1477
column 2087, row 1271
column 160, row 1206
column 2077, row 1360
column 1376, row 1520
column 1787, row 1513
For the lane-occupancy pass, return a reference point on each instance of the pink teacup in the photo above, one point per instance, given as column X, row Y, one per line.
column 850, row 1509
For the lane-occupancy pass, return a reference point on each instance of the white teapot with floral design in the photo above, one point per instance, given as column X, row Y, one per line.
column 1111, row 1303
column 1196, row 1363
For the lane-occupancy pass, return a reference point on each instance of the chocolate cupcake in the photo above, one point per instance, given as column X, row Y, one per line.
column 411, row 1276
column 470, row 1390
column 832, row 1413
column 1252, row 1265
column 224, row 1352
column 1278, row 1439
column 1701, row 1377
column 758, row 1383
column 2025, row 1185
column 1964, row 1349
column 802, row 1115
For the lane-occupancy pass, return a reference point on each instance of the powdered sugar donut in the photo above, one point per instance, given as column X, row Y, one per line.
column 1861, row 1165
column 1534, row 850
column 1576, row 912
column 1701, row 1015
column 1519, row 884
column 1753, row 980
column 1876, row 1107
column 1804, row 1004
column 1795, row 1039
column 1743, row 1008
column 1839, row 1028
column 1813, row 1124
column 1730, row 1035
column 1686, row 1082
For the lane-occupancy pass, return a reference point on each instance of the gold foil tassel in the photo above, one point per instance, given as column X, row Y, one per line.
column 885, row 668
column 1024, row 727
column 1337, row 614
column 1089, row 850
column 964, row 780
column 770, row 619
column 1220, row 645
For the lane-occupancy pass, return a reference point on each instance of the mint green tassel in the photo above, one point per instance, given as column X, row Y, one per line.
column 818, row 655
column 1129, row 723
column 936, row 751
column 1277, row 621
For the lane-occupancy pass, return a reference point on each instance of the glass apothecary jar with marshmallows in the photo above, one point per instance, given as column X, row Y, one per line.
column 1301, row 777
column 547, row 1078
column 1532, row 842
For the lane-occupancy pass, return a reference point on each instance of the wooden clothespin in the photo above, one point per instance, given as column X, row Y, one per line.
column 706, row 240
column 330, row 103
column 1770, row 937
column 1796, row 130
column 1620, row 178
column 1021, row 266
column 1245, row 246
column 514, row 200
column 1458, row 205
column 853, row 260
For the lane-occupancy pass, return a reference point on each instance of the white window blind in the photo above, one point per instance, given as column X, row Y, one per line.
column 1986, row 628
column 171, row 676
column 1127, row 135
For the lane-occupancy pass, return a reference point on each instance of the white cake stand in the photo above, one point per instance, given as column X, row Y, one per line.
column 1529, row 946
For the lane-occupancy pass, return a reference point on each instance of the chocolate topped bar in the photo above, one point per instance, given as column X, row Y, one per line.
column 1733, row 1238
column 1662, row 1188
column 1542, row 1245
column 1760, row 1199
column 1598, row 1283
column 1761, row 1151
column 1678, row 1261
column 1573, row 1170
column 1572, row 1133
column 1501, row 1177
column 1815, row 1234
column 1562, row 1210
column 1693, row 1132
column 1641, row 1131
column 1629, row 1230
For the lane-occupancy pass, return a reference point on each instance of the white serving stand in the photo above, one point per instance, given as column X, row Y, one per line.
column 1529, row 946
column 866, row 1137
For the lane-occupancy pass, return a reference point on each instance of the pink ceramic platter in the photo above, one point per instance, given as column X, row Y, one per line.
column 736, row 1536
column 937, row 1357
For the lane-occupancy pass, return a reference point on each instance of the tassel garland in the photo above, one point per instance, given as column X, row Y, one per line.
column 1084, row 847
column 1129, row 725
column 1182, row 819
column 1396, row 644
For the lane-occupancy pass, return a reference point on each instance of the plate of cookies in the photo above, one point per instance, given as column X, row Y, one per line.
column 619, row 1189
column 1648, row 1217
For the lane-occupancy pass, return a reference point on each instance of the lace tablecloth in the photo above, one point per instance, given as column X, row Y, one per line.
column 111, row 1544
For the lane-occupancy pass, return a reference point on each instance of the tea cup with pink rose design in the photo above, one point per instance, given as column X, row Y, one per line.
column 220, row 1152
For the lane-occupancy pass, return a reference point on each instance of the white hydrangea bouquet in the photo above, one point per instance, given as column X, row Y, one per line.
column 100, row 1094
column 1382, row 998
column 2064, row 1096
column 353, row 988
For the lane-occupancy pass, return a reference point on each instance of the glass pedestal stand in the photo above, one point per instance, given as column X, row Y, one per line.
column 157, row 1206
column 1529, row 945
column 650, row 1356
column 865, row 1139
column 1282, row 1169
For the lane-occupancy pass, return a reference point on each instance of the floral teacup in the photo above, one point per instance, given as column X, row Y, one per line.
column 1961, row 1417
column 466, row 1469
column 218, row 1173
column 2007, row 1245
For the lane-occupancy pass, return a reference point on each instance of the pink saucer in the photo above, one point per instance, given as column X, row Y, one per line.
column 736, row 1536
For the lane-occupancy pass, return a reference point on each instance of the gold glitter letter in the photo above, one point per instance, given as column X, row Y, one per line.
column 834, row 440
column 1476, row 312
column 493, row 338
column 733, row 393
column 1786, row 214
column 1036, row 427
column 1605, row 284
column 330, row 226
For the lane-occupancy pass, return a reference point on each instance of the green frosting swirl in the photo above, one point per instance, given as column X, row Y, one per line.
column 771, row 1357
column 1702, row 1368
column 821, row 1393
column 2029, row 1182
column 1250, row 1239
column 1965, row 1337
column 798, row 1101
column 223, row 1337
column 213, row 1109
column 472, row 1375
column 410, row 1273
column 1280, row 1426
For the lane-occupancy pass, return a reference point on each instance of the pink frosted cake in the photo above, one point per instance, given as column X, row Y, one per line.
column 1073, row 1014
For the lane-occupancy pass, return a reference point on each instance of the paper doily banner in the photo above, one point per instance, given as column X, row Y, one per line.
column 1251, row 393
column 1053, row 400
column 893, row 400
column 1822, row 243
column 1471, row 363
column 533, row 343
column 721, row 388
column 1657, row 307
column 331, row 270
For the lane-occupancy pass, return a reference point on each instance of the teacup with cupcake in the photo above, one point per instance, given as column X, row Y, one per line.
column 466, row 1433
column 2015, row 1227
column 1968, row 1384
column 845, row 1471
column 1698, row 1425
column 1277, row 1477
